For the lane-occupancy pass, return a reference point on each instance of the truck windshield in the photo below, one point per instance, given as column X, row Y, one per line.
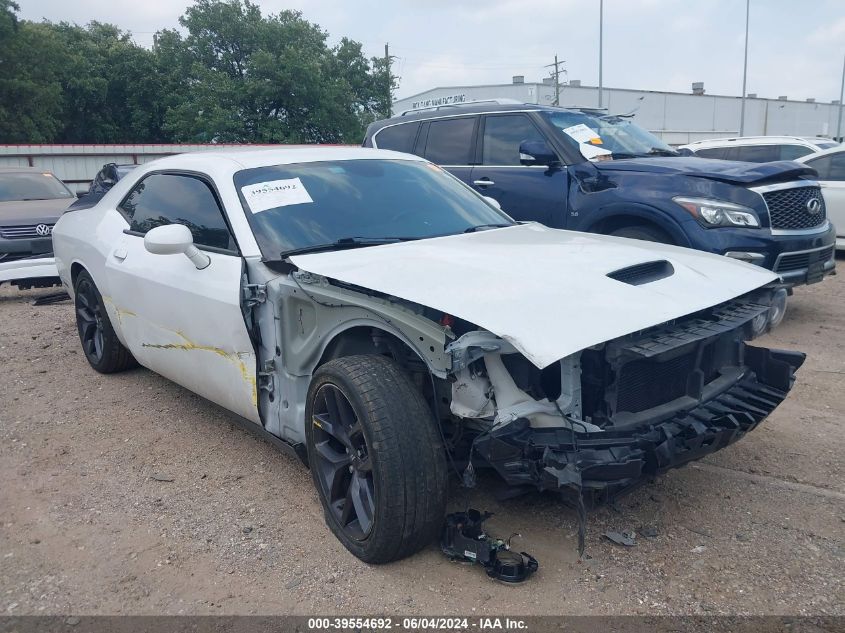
column 608, row 136
column 330, row 205
column 27, row 185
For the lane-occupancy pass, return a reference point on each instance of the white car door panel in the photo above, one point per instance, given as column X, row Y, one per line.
column 834, row 199
column 185, row 324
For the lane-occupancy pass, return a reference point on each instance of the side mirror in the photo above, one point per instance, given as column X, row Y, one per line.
column 536, row 153
column 493, row 201
column 173, row 239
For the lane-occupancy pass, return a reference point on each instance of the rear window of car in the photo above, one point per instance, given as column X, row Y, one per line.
column 450, row 142
column 791, row 152
column 754, row 153
column 830, row 167
column 25, row 185
column 399, row 138
column 712, row 152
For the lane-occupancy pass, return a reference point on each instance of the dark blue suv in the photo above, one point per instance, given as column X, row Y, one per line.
column 533, row 160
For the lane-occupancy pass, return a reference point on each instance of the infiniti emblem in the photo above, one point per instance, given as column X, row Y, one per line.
column 814, row 205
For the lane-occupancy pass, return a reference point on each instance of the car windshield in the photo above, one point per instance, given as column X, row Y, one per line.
column 25, row 185
column 313, row 206
column 608, row 135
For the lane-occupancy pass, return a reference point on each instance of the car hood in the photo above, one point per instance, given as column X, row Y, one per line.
column 32, row 211
column 724, row 170
column 545, row 291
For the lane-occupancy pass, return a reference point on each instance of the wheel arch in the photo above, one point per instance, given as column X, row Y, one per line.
column 634, row 214
column 363, row 336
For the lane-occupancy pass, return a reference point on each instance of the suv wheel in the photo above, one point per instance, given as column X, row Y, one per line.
column 376, row 458
column 646, row 233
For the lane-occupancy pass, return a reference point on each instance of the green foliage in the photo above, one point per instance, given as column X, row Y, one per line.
column 235, row 75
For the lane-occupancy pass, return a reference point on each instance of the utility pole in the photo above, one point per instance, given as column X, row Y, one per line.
column 556, row 75
column 387, row 72
column 841, row 94
column 601, row 48
column 744, row 71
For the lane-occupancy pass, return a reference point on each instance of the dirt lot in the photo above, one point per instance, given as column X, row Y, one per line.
column 128, row 494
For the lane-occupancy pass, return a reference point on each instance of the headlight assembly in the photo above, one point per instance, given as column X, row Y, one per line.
column 713, row 213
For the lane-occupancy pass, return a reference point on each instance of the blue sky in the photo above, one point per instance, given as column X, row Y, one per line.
column 795, row 48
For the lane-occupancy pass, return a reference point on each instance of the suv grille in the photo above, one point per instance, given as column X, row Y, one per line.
column 799, row 261
column 24, row 232
column 788, row 208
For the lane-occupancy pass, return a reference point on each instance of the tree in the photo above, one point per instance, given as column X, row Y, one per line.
column 30, row 98
column 269, row 79
column 234, row 76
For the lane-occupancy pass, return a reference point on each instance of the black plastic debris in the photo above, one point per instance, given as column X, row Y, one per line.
column 628, row 539
column 50, row 299
column 464, row 539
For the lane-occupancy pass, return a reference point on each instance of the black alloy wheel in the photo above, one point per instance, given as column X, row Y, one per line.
column 376, row 456
column 103, row 350
column 343, row 465
column 89, row 320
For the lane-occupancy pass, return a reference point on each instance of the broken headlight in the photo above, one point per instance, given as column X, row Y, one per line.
column 713, row 213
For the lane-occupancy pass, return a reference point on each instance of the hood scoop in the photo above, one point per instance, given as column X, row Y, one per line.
column 644, row 273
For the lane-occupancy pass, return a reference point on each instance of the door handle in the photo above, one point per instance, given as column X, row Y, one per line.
column 484, row 182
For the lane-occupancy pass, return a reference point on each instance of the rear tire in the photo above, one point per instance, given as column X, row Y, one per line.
column 376, row 457
column 645, row 233
column 103, row 350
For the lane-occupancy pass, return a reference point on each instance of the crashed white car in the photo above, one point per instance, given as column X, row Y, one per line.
column 371, row 312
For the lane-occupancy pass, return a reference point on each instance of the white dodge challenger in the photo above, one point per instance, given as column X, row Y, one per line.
column 369, row 311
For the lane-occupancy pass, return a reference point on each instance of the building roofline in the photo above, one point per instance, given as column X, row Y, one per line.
column 636, row 90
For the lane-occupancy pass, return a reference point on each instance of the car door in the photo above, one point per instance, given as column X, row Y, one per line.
column 831, row 168
column 184, row 323
column 450, row 143
column 535, row 193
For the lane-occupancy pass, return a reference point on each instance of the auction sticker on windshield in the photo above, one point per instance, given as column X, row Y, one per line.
column 275, row 193
column 583, row 134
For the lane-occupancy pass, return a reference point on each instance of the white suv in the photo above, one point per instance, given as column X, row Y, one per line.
column 759, row 149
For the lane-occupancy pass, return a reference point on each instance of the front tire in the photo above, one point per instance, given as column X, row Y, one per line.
column 645, row 233
column 105, row 353
column 376, row 457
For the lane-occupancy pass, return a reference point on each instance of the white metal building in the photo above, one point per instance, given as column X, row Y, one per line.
column 677, row 118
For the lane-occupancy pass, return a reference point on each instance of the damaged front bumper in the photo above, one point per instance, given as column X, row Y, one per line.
column 603, row 465
column 32, row 270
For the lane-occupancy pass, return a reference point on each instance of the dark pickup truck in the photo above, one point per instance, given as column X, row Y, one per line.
column 532, row 160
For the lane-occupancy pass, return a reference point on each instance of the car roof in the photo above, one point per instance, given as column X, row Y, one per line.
column 464, row 109
column 742, row 140
column 824, row 152
column 248, row 158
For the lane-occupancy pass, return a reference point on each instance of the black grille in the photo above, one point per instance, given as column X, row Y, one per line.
column 24, row 231
column 648, row 383
column 788, row 208
column 643, row 273
column 799, row 261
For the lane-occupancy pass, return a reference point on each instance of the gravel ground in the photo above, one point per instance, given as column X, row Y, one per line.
column 127, row 494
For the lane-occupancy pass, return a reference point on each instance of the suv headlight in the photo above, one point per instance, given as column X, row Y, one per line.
column 718, row 212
